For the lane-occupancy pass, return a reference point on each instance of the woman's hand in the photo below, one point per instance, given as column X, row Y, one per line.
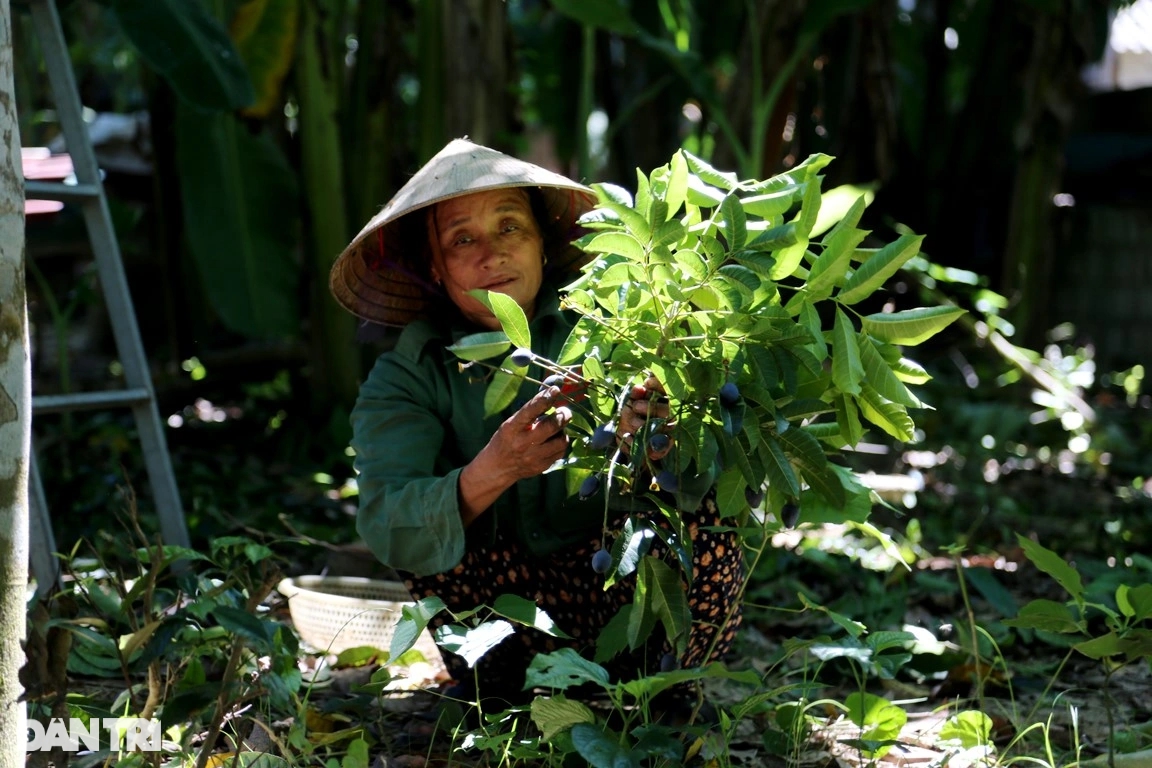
column 527, row 443
column 643, row 404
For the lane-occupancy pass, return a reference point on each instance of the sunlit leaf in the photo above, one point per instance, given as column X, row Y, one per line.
column 724, row 180
column 525, row 611
column 511, row 316
column 890, row 417
column 505, row 385
column 874, row 272
column 471, row 643
column 734, row 222
column 413, row 621
column 480, row 346
column 881, row 378
column 910, row 326
column 616, row 242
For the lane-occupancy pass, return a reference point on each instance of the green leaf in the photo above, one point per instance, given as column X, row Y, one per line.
column 890, row 417
column 234, row 187
column 878, row 719
column 357, row 756
column 471, row 643
column 558, row 713
column 413, row 621
column 601, row 747
column 613, row 638
column 730, row 499
column 809, row 208
column 832, row 264
column 734, row 223
column 240, row 622
column 880, row 376
column 563, row 669
column 910, row 371
column 670, row 233
column 525, row 611
column 1053, row 565
column 1139, row 599
column 969, row 729
column 837, row 203
column 691, row 262
column 775, row 238
column 265, row 36
column 512, row 319
column 1047, row 615
column 666, row 598
column 677, row 184
column 874, row 272
column 780, row 472
column 191, row 49
column 480, row 346
column 602, row 14
column 1102, row 647
column 724, row 180
column 504, row 387
column 788, row 259
column 810, row 319
column 847, row 370
column 770, row 205
column 910, row 326
column 620, row 243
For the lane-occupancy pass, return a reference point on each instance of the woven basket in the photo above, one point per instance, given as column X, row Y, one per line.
column 335, row 613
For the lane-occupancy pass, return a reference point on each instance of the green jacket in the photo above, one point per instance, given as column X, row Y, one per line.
column 419, row 419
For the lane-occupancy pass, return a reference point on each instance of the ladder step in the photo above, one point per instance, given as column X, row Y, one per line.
column 89, row 400
column 49, row 190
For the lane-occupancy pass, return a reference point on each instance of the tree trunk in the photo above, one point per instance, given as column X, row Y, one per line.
column 15, row 416
column 335, row 374
column 478, row 101
column 769, row 39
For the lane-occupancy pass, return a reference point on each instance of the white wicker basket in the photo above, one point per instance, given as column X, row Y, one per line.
column 335, row 613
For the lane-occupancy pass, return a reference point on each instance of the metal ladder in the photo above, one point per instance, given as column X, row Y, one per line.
column 139, row 395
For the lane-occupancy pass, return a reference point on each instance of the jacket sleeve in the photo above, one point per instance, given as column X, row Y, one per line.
column 409, row 512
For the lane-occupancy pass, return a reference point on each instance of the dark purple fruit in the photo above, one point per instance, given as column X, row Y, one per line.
column 754, row 498
column 555, row 380
column 790, row 514
column 589, row 487
column 602, row 561
column 659, row 442
column 669, row 663
column 729, row 394
column 667, row 481
column 523, row 356
column 603, row 436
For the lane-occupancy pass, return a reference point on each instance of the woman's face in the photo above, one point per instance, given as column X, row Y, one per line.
column 487, row 240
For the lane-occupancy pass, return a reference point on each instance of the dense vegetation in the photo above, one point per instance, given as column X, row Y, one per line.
column 1000, row 584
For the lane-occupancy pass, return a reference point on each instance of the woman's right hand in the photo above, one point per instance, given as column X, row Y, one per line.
column 638, row 409
column 527, row 443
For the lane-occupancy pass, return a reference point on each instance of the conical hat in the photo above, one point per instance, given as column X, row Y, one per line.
column 383, row 276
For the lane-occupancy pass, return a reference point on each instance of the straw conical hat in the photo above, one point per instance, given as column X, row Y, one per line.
column 382, row 276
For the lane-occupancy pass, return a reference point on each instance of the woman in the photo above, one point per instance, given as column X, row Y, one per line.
column 458, row 503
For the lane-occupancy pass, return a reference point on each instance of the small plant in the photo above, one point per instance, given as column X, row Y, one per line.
column 183, row 631
column 724, row 292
